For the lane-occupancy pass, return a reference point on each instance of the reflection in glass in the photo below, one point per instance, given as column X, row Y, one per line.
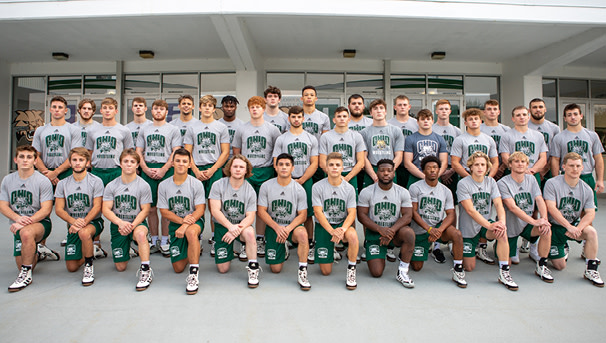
column 65, row 85
column 142, row 84
column 100, row 84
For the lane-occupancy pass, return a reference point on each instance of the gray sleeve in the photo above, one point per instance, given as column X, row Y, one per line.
column 364, row 197
column 405, row 199
column 360, row 145
column 59, row 192
column 145, row 193
column 188, row 138
column 262, row 201
column 399, row 141
column 128, row 139
column 278, row 147
column 108, row 193
column 316, row 195
column 492, row 151
column 442, row 145
column 323, row 145
column 463, row 192
column 494, row 190
column 46, row 190
column 314, row 146
column 76, row 137
column 301, row 199
column 223, row 136
column 89, row 141
column 414, row 192
column 457, row 148
column 162, row 201
column 199, row 195
column 4, row 190
column 36, row 143
column 237, row 141
column 555, row 146
column 140, row 139
column 596, row 145
column 505, row 194
column 351, row 195
column 549, row 192
column 251, row 201
column 449, row 199
column 505, row 144
column 97, row 187
column 177, row 139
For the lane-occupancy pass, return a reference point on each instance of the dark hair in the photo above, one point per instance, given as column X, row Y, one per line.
column 229, row 98
column 355, row 96
column 428, row 159
column 59, row 99
column 536, row 100
column 186, row 96
column 285, row 156
column 571, row 107
column 182, row 152
column 272, row 90
column 386, row 161
column 309, row 87
column 295, row 110
column 341, row 109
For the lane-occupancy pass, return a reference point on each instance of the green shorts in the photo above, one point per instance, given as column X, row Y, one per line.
column 368, row 181
column 121, row 244
column 259, row 176
column 73, row 248
column 558, row 241
column 453, row 185
column 412, row 179
column 107, row 175
column 153, row 183
column 402, row 174
column 178, row 246
column 275, row 252
column 513, row 241
column 353, row 182
column 208, row 183
column 373, row 247
column 318, row 175
column 588, row 178
column 307, row 187
column 324, row 248
column 422, row 247
column 48, row 226
column 224, row 252
column 469, row 244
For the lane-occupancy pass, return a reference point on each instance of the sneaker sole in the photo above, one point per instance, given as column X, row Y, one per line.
column 351, row 288
column 14, row 290
column 515, row 262
column 191, row 292
column 253, row 286
column 437, row 261
column 86, row 284
column 311, row 261
column 511, row 288
column 486, row 261
column 460, row 285
column 601, row 285
column 305, row 288
column 390, row 259
column 542, row 278
column 140, row 289
column 243, row 259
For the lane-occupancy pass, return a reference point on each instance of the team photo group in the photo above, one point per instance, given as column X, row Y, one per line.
column 286, row 182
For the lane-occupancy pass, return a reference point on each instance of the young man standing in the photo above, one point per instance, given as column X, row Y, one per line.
column 521, row 194
column 434, row 219
column 182, row 201
column 358, row 121
column 233, row 205
column 155, row 145
column 334, row 205
column 139, row 109
column 86, row 110
column 385, row 211
column 229, row 105
column 315, row 121
column 408, row 125
column 571, row 211
column 78, row 200
column 186, row 106
column 126, row 203
column 494, row 129
column 548, row 129
column 477, row 194
column 283, row 207
column 273, row 114
column 26, row 199
column 383, row 141
column 449, row 132
column 255, row 140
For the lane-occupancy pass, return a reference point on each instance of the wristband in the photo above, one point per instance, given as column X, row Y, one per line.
column 428, row 231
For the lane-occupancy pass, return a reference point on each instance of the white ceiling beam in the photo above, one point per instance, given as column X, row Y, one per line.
column 238, row 42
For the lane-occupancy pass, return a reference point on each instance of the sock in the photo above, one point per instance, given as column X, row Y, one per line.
column 503, row 263
column 404, row 266
column 164, row 240
column 253, row 264
column 458, row 262
column 592, row 265
column 154, row 240
column 458, row 267
column 193, row 268
column 302, row 265
column 88, row 260
column 26, row 266
column 96, row 242
column 352, row 263
column 542, row 261
column 260, row 237
column 144, row 265
column 483, row 245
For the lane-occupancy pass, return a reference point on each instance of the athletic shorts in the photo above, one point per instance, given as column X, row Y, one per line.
column 48, row 226
column 513, row 241
column 178, row 246
column 373, row 247
column 107, row 175
column 402, row 174
column 588, row 178
column 259, row 176
column 275, row 253
column 469, row 244
column 73, row 248
column 224, row 252
column 153, row 183
column 422, row 247
column 307, row 187
column 324, row 248
column 121, row 244
column 208, row 183
column 558, row 241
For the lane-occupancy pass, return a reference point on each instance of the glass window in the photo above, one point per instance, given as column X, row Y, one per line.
column 408, row 84
column 549, row 96
column 326, row 82
column 129, row 112
column 100, row 84
column 448, row 85
column 65, row 85
column 573, row 88
column 28, row 107
column 290, row 84
column 142, row 84
column 599, row 112
column 480, row 89
column 218, row 85
column 180, row 84
column 370, row 86
column 598, row 89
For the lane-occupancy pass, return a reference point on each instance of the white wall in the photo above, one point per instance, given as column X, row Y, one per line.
column 5, row 126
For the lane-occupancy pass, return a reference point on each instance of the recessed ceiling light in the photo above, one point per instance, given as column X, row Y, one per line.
column 60, row 56
column 147, row 54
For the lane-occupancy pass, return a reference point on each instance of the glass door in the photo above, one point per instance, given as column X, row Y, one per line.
column 455, row 106
column 583, row 104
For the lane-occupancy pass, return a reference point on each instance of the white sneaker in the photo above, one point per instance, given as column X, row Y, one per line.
column 363, row 256
column 533, row 253
column 339, row 246
column 516, row 259
column 525, row 247
column 593, row 276
column 337, row 255
column 302, row 279
column 64, row 242
column 145, row 278
column 154, row 248
column 260, row 247
column 311, row 255
column 88, row 275
column 506, row 279
column 390, row 255
column 482, row 255
column 133, row 252
column 242, row 255
column 99, row 252
column 286, row 252
column 544, row 273
column 45, row 253
column 192, row 281
column 165, row 249
column 350, row 279
column 212, row 247
column 201, row 247
column 566, row 251
column 253, row 277
column 459, row 278
column 23, row 280
column 404, row 279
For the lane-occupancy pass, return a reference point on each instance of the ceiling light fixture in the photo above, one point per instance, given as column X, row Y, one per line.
column 349, row 53
column 146, row 54
column 438, row 55
column 60, row 56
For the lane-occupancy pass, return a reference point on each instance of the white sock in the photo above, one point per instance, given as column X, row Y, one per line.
column 503, row 263
column 457, row 262
column 404, row 266
column 352, row 263
column 154, row 240
column 302, row 264
column 164, row 240
column 145, row 262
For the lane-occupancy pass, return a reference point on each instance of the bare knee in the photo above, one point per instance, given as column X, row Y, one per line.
column 121, row 267
column 416, row 265
column 276, row 268
column 223, row 267
column 559, row 263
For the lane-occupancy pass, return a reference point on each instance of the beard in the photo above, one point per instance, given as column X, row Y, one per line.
column 537, row 117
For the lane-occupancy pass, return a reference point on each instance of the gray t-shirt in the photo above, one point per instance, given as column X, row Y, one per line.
column 25, row 197
column 465, row 145
column 135, row 128
column 384, row 207
column 234, row 202
column 127, row 198
column 282, row 202
column 496, row 132
column 432, row 203
column 206, row 140
column 408, row 128
column 585, row 143
column 85, row 129
column 107, row 143
column 181, row 199
column 481, row 194
column 316, row 123
column 360, row 125
column 547, row 129
column 301, row 147
column 79, row 195
column 158, row 142
column 231, row 130
column 280, row 121
column 182, row 125
column 256, row 143
column 334, row 200
column 449, row 133
column 524, row 195
column 347, row 143
column 55, row 142
column 571, row 201
column 531, row 143
column 382, row 142
column 422, row 146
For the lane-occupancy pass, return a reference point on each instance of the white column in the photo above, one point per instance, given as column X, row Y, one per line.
column 248, row 84
column 5, row 129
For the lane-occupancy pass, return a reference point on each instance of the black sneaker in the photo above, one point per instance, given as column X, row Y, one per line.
column 438, row 256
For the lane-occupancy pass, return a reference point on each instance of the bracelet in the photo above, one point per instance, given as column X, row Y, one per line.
column 428, row 231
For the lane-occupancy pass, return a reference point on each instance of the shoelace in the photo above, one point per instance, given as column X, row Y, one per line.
column 351, row 275
column 191, row 280
column 88, row 272
column 22, row 275
column 507, row 276
column 303, row 275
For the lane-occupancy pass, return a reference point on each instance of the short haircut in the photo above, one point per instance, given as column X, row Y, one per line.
column 424, row 113
column 377, row 102
column 229, row 99
column 87, row 101
column 341, row 109
column 130, row 152
column 472, row 112
column 59, row 99
column 79, row 151
column 110, row 101
column 334, row 156
column 517, row 108
column 26, row 148
column 400, row 97
column 353, row 97
column 491, row 102
column 249, row 167
column 208, row 99
column 182, row 152
column 518, row 155
column 571, row 156
column 285, row 156
column 386, row 161
column 479, row 154
column 140, row 100
column 186, row 96
column 295, row 110
column 572, row 107
column 160, row 103
column 430, row 158
column 256, row 100
column 536, row 100
column 309, row 87
column 272, row 90
column 443, row 102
